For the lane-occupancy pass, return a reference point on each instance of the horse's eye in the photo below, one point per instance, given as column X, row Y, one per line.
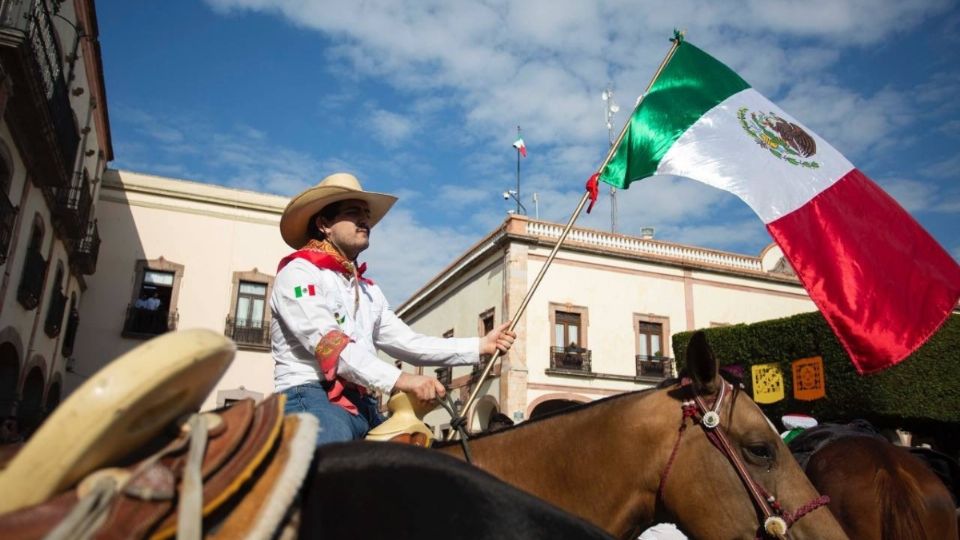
column 760, row 451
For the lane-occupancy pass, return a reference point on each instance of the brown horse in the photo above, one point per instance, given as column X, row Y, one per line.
column 626, row 462
column 881, row 491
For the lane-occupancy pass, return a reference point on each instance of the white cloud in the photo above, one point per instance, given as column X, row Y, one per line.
column 389, row 127
column 404, row 253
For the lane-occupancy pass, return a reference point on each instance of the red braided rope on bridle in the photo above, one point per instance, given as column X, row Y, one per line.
column 689, row 411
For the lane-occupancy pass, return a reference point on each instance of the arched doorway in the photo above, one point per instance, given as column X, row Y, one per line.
column 30, row 412
column 552, row 406
column 9, row 375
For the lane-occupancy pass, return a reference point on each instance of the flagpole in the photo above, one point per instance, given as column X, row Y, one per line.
column 519, row 138
column 677, row 39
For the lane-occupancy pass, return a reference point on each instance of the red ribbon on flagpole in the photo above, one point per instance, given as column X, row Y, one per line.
column 593, row 187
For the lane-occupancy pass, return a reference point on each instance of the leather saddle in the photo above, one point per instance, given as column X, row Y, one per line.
column 154, row 468
column 405, row 424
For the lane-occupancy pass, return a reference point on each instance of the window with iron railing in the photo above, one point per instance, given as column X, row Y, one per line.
column 246, row 333
column 654, row 366
column 570, row 358
column 145, row 323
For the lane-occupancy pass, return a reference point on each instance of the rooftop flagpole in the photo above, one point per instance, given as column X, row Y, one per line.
column 461, row 419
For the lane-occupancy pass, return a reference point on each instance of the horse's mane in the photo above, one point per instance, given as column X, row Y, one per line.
column 562, row 412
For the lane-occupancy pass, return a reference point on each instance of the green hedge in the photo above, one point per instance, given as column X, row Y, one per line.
column 923, row 390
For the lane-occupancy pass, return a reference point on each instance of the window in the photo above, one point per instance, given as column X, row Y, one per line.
column 248, row 323
column 153, row 309
column 73, row 321
column 445, row 374
column 249, row 327
column 8, row 212
column 56, row 306
column 651, row 359
column 566, row 329
column 34, row 268
column 486, row 326
column 568, row 349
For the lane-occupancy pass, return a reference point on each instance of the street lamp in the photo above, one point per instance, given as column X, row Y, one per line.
column 511, row 194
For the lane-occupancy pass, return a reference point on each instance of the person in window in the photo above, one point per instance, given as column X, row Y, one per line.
column 153, row 303
column 329, row 319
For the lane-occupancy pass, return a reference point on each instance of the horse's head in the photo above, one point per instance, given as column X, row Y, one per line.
column 730, row 474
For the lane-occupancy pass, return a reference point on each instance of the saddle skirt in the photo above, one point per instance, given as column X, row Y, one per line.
column 250, row 468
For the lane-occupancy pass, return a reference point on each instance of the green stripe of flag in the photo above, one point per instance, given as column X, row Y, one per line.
column 691, row 84
column 298, row 291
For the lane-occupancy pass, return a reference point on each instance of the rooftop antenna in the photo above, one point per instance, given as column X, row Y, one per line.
column 611, row 108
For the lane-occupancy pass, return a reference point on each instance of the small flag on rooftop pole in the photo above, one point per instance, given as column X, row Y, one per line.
column 520, row 146
column 881, row 281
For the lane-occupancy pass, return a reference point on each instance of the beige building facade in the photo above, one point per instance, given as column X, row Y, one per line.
column 54, row 146
column 178, row 254
column 602, row 319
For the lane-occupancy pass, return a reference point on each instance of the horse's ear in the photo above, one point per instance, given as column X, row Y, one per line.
column 702, row 365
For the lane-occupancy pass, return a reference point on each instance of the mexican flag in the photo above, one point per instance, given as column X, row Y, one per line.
column 520, row 146
column 882, row 282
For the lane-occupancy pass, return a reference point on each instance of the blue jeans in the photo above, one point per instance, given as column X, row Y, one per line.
column 336, row 423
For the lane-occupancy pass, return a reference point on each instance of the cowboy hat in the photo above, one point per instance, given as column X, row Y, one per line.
column 295, row 221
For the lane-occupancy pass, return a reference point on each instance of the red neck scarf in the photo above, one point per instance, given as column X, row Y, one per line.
column 324, row 255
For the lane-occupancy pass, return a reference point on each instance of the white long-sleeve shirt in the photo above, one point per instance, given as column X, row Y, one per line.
column 301, row 319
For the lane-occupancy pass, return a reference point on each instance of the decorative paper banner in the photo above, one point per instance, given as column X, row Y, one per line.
column 767, row 383
column 809, row 381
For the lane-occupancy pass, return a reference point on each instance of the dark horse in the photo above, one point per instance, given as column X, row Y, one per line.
column 878, row 490
column 377, row 490
column 628, row 461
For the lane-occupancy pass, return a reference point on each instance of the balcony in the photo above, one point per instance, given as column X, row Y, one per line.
column 570, row 359
column 142, row 323
column 248, row 334
column 654, row 366
column 87, row 250
column 31, row 279
column 58, row 304
column 39, row 112
column 71, row 208
column 8, row 214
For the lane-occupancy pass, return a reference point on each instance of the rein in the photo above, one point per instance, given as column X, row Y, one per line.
column 458, row 423
column 776, row 520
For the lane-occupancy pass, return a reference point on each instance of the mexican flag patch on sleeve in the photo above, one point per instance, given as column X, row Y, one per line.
column 304, row 290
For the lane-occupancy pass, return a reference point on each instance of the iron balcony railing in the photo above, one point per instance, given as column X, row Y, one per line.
column 40, row 110
column 87, row 250
column 72, row 208
column 248, row 333
column 570, row 358
column 654, row 366
column 58, row 304
column 31, row 279
column 8, row 214
column 144, row 323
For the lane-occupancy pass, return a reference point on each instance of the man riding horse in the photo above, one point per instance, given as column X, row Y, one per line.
column 329, row 320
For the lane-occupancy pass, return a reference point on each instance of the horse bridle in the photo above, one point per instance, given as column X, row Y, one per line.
column 776, row 520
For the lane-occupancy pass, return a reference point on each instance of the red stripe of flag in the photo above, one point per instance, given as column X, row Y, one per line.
column 881, row 281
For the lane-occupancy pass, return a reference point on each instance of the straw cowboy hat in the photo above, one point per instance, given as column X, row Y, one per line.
column 295, row 221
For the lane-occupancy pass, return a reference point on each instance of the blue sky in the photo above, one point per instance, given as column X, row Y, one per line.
column 422, row 99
